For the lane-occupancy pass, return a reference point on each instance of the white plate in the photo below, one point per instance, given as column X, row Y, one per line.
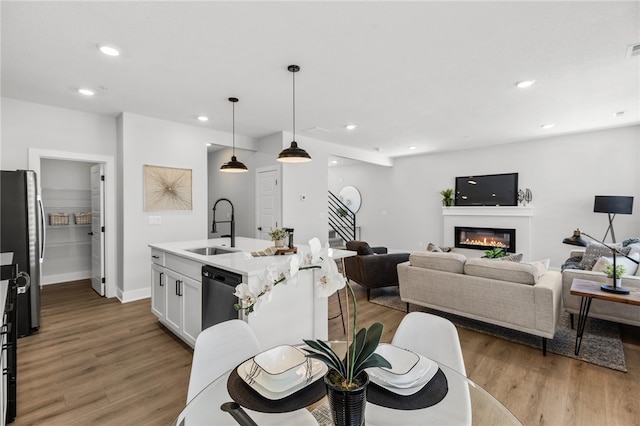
column 427, row 366
column 278, row 390
column 280, row 362
column 402, row 361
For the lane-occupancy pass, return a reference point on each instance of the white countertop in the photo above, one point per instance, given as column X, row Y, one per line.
column 241, row 261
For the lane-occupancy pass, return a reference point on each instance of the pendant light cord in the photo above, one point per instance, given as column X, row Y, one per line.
column 233, row 126
column 294, row 105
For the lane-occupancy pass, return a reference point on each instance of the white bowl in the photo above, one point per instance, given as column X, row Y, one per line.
column 401, row 360
column 280, row 363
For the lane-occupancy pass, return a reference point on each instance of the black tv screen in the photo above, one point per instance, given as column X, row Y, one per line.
column 487, row 190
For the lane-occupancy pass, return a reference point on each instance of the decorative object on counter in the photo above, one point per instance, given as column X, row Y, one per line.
column 520, row 196
column 577, row 240
column 278, row 236
column 528, row 195
column 294, row 154
column 612, row 205
column 290, row 233
column 350, row 197
column 166, row 188
column 83, row 218
column 447, row 197
column 233, row 166
column 232, row 221
column 58, row 219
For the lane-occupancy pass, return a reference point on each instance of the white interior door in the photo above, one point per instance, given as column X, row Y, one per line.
column 97, row 228
column 269, row 200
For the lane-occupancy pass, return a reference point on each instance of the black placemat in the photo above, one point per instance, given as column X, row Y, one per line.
column 432, row 393
column 249, row 398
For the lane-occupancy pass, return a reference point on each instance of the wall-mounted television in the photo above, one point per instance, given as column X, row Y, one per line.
column 487, row 190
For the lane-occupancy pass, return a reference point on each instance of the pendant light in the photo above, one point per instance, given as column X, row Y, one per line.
column 294, row 154
column 234, row 166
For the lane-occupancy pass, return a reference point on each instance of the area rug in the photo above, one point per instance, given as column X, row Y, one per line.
column 601, row 342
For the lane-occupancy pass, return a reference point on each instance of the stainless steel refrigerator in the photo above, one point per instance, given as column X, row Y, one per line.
column 22, row 232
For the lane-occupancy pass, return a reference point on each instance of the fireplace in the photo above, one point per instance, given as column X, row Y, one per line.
column 485, row 238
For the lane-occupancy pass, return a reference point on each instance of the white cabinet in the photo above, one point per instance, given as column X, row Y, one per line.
column 176, row 294
column 158, row 291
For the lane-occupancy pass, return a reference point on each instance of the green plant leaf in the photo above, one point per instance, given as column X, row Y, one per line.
column 375, row 360
column 372, row 339
column 329, row 361
column 330, row 358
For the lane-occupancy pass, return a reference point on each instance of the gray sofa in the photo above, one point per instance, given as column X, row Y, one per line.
column 521, row 296
column 617, row 312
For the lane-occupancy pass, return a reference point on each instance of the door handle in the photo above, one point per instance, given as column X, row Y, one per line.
column 259, row 228
column 89, row 233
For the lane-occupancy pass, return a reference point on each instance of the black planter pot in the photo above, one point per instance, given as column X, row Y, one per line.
column 347, row 406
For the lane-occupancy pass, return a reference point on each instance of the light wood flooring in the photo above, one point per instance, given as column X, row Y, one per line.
column 97, row 361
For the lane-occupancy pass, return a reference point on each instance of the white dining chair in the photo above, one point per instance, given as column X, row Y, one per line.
column 432, row 336
column 218, row 349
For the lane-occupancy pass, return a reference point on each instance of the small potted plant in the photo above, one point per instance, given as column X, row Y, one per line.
column 278, row 236
column 495, row 253
column 619, row 272
column 447, row 197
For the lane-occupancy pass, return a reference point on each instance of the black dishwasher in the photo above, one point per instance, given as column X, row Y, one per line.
column 218, row 287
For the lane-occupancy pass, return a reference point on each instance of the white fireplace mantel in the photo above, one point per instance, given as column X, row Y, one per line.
column 488, row 211
column 519, row 218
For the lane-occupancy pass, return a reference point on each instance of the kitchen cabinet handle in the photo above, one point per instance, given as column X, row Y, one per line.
column 155, row 257
column 160, row 280
column 178, row 288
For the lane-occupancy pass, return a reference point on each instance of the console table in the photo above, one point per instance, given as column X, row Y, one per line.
column 590, row 290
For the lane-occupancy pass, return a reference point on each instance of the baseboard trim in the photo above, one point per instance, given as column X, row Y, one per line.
column 133, row 295
column 63, row 278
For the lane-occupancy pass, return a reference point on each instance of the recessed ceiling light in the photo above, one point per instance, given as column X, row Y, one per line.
column 209, row 144
column 618, row 113
column 109, row 50
column 525, row 83
column 334, row 161
column 351, row 126
column 203, row 118
column 411, row 147
column 86, row 92
column 548, row 125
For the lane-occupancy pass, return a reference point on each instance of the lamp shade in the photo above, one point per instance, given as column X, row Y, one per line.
column 294, row 154
column 575, row 239
column 613, row 204
column 233, row 166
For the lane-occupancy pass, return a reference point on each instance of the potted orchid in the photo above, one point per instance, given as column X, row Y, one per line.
column 346, row 379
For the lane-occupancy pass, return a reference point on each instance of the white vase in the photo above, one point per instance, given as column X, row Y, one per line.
column 279, row 243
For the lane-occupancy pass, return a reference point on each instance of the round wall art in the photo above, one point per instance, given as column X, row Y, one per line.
column 351, row 197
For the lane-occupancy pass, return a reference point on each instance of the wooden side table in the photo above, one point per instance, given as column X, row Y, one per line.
column 590, row 290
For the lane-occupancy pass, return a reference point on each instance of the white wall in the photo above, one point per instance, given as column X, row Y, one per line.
column 26, row 125
column 401, row 205
column 149, row 141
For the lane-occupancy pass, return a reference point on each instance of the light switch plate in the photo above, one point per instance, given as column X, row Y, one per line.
column 155, row 220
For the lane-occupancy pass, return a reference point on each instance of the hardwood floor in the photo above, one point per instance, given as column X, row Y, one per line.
column 97, row 361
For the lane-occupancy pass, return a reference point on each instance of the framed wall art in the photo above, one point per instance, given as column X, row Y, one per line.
column 167, row 188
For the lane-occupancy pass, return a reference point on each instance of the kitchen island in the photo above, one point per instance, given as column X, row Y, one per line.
column 293, row 313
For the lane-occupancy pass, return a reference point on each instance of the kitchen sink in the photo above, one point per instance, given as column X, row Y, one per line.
column 209, row 251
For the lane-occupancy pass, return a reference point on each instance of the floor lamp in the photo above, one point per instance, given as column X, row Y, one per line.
column 612, row 204
column 576, row 240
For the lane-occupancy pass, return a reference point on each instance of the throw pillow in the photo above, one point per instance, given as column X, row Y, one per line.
column 541, row 266
column 595, row 251
column 630, row 266
column 511, row 257
column 433, row 247
column 630, row 241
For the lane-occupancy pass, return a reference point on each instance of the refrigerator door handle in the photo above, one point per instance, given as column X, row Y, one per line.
column 43, row 230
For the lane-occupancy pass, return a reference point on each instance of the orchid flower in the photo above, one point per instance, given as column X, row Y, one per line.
column 331, row 279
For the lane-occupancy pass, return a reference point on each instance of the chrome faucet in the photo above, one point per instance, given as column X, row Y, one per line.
column 232, row 221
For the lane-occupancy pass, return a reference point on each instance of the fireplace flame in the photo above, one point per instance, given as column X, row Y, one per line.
column 485, row 242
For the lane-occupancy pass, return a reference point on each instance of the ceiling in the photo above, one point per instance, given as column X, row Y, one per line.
column 434, row 75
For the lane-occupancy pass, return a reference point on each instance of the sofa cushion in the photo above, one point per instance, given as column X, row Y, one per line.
column 446, row 262
column 522, row 273
column 361, row 247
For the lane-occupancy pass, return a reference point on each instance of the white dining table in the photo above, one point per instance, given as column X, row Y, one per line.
column 465, row 403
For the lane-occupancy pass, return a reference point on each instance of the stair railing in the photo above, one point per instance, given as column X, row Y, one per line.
column 341, row 219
